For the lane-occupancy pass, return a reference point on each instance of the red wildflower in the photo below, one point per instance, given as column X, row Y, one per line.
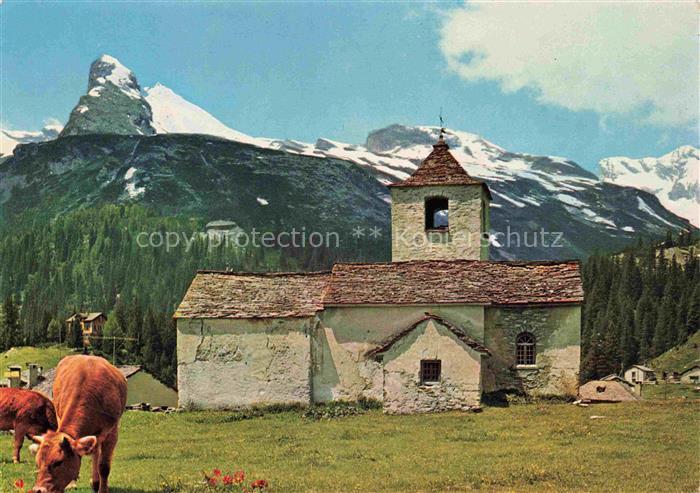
column 227, row 480
column 212, row 481
column 19, row 483
column 238, row 477
column 216, row 472
column 259, row 483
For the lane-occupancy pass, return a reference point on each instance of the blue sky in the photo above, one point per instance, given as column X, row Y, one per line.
column 598, row 86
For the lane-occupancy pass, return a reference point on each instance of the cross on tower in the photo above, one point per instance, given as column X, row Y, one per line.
column 442, row 126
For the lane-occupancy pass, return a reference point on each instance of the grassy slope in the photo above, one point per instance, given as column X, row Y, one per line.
column 680, row 357
column 555, row 447
column 670, row 391
column 46, row 357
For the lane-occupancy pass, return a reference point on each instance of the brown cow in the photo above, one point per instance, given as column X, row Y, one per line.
column 28, row 413
column 90, row 396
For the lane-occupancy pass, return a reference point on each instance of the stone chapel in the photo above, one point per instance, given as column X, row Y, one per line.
column 432, row 330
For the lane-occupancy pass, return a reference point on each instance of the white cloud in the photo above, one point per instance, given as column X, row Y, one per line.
column 612, row 58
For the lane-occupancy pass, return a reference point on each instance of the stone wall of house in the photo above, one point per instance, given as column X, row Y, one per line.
column 410, row 240
column 557, row 330
column 341, row 370
column 225, row 364
column 459, row 387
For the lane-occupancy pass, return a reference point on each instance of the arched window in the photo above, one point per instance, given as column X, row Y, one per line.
column 525, row 349
column 436, row 213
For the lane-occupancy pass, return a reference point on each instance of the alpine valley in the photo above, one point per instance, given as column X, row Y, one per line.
column 126, row 145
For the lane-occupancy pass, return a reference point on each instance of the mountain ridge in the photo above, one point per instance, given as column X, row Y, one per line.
column 531, row 193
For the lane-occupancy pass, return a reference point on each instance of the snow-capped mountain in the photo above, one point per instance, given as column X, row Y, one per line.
column 9, row 139
column 531, row 194
column 673, row 178
column 172, row 114
column 114, row 103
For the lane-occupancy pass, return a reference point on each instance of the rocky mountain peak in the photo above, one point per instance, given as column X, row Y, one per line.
column 108, row 70
column 114, row 103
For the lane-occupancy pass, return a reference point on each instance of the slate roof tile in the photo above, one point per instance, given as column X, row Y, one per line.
column 439, row 168
column 215, row 294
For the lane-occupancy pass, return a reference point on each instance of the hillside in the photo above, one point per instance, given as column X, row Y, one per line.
column 190, row 175
column 638, row 306
column 47, row 357
column 680, row 357
column 275, row 190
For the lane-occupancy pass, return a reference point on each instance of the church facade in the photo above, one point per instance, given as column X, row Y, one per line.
column 432, row 330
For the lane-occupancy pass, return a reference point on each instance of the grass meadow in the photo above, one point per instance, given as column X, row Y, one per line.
column 649, row 446
column 47, row 357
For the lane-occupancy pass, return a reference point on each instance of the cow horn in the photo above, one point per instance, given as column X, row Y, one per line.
column 38, row 439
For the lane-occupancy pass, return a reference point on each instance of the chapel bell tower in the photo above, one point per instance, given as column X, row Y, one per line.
column 439, row 212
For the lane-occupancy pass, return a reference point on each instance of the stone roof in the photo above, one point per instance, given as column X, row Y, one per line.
column 459, row 333
column 615, row 378
column 215, row 294
column 440, row 168
column 606, row 391
column 689, row 369
column 641, row 367
column 455, row 281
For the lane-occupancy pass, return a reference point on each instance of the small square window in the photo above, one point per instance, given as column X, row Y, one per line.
column 430, row 370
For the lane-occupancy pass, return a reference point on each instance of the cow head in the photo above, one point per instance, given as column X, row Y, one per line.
column 58, row 460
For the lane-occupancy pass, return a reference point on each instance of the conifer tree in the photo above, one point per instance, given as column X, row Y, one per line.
column 11, row 330
column 692, row 323
column 75, row 337
column 54, row 330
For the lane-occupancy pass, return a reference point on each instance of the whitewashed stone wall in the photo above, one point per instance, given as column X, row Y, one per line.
column 410, row 240
column 460, row 383
column 225, row 364
column 341, row 370
column 557, row 330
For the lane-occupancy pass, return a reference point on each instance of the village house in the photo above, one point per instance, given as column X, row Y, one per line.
column 432, row 330
column 691, row 375
column 91, row 324
column 640, row 374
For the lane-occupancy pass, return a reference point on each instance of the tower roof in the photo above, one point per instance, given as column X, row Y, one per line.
column 440, row 168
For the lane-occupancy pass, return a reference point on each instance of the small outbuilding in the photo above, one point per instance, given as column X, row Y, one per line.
column 640, row 374
column 691, row 375
column 606, row 391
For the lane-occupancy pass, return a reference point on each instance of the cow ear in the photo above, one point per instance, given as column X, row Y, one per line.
column 86, row 445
